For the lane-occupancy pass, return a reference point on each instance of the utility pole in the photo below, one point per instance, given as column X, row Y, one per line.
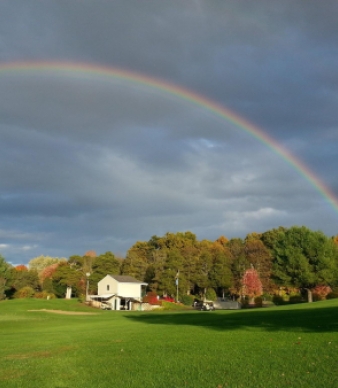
column 87, row 286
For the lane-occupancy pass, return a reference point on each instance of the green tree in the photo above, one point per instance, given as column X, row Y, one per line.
column 271, row 237
column 190, row 254
column 134, row 264
column 171, row 253
column 103, row 265
column 154, row 271
column 210, row 294
column 21, row 279
column 202, row 271
column 220, row 274
column 5, row 274
column 167, row 281
column 239, row 263
column 304, row 259
column 67, row 276
column 76, row 262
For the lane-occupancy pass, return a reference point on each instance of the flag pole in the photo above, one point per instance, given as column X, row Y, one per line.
column 177, row 285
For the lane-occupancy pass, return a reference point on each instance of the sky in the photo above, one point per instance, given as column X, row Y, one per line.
column 93, row 161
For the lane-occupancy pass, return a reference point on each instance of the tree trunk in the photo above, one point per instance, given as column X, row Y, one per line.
column 69, row 292
column 309, row 295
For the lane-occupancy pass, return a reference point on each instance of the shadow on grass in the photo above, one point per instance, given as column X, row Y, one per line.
column 324, row 319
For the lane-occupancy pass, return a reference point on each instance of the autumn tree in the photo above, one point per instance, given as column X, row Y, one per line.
column 251, row 284
column 223, row 241
column 258, row 255
column 321, row 292
column 48, row 271
column 277, row 256
column 46, row 277
column 41, row 262
column 91, row 254
column 21, row 267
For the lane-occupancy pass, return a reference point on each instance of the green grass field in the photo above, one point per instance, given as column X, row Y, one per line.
column 288, row 346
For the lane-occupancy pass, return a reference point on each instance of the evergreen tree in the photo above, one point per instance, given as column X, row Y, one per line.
column 220, row 274
column 103, row 265
column 5, row 274
column 304, row 259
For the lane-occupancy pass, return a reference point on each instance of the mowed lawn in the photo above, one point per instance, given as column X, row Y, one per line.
column 288, row 346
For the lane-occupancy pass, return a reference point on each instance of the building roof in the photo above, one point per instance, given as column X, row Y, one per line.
column 126, row 279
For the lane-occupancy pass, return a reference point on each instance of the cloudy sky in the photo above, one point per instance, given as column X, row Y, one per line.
column 95, row 162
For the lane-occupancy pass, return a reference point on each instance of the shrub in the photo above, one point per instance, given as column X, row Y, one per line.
column 168, row 299
column 59, row 289
column 172, row 306
column 267, row 297
column 187, row 300
column 320, row 292
column 258, row 301
column 316, row 297
column 296, row 299
column 244, row 302
column 278, row 300
column 24, row 292
column 151, row 298
column 81, row 298
column 210, row 294
column 44, row 295
column 332, row 295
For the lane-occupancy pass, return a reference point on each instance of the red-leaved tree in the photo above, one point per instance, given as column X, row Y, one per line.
column 48, row 272
column 251, row 284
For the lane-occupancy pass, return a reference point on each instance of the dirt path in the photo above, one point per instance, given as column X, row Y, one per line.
column 65, row 312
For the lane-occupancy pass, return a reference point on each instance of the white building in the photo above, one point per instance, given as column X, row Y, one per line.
column 119, row 292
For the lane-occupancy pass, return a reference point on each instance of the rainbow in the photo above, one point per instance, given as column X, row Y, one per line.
column 71, row 68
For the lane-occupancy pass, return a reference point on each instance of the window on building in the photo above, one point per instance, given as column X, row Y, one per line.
column 107, row 287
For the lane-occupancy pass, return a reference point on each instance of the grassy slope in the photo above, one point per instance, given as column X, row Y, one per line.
column 294, row 346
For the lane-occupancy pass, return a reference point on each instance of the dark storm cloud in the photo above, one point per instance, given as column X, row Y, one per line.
column 91, row 163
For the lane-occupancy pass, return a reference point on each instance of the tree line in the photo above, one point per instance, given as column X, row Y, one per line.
column 279, row 261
